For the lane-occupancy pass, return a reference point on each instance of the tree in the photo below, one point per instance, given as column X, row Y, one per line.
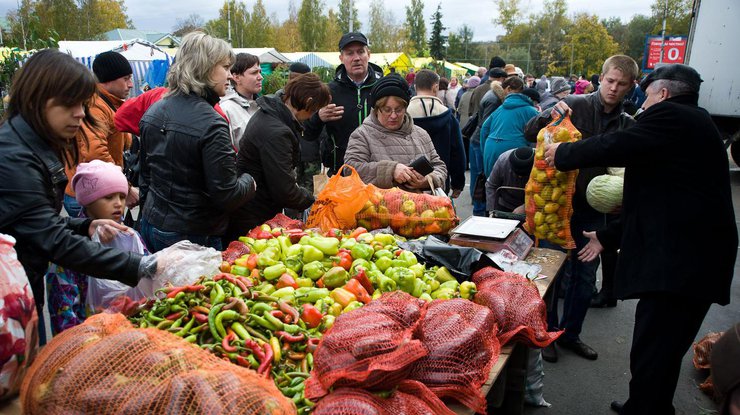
column 311, row 24
column 100, row 16
column 380, row 33
column 347, row 8
column 436, row 42
column 191, row 23
column 677, row 13
column 333, row 31
column 286, row 33
column 509, row 14
column 591, row 46
column 417, row 30
column 638, row 28
column 236, row 14
column 259, row 29
column 618, row 31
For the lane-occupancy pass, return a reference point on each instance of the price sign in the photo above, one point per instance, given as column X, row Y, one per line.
column 674, row 51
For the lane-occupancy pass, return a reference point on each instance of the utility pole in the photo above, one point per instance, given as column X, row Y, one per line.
column 571, row 57
column 662, row 33
column 350, row 16
column 23, row 30
column 529, row 56
column 228, row 19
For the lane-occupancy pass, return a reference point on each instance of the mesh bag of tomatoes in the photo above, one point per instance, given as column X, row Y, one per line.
column 408, row 214
column 105, row 366
column 410, row 398
column 548, row 195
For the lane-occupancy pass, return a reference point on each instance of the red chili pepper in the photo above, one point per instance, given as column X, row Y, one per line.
column 355, row 287
column 252, row 261
column 361, row 276
column 277, row 314
column 398, row 252
column 286, row 280
column 264, row 235
column 289, row 311
column 184, row 288
column 225, row 342
column 313, row 343
column 200, row 318
column 290, row 338
column 242, row 361
column 255, row 348
column 342, row 259
column 230, row 278
column 174, row 316
column 311, row 316
column 247, row 282
column 336, row 233
column 255, row 274
column 266, row 361
column 357, row 232
column 320, row 282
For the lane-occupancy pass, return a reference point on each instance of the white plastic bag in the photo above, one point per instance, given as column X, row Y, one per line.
column 184, row 262
column 18, row 320
column 101, row 292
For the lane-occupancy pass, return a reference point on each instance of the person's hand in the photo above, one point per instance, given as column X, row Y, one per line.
column 107, row 229
column 560, row 109
column 550, row 150
column 519, row 210
column 132, row 199
column 331, row 112
column 417, row 181
column 455, row 193
column 592, row 249
column 403, row 173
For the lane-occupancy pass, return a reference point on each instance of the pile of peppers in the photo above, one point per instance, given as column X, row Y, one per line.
column 269, row 306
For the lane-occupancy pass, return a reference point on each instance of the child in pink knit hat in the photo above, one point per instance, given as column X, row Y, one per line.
column 101, row 189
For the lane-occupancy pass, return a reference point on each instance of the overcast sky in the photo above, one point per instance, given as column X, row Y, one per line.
column 162, row 15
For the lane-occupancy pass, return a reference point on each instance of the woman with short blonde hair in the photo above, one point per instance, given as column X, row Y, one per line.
column 194, row 61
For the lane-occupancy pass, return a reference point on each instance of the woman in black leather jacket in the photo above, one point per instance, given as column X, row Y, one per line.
column 45, row 111
column 188, row 176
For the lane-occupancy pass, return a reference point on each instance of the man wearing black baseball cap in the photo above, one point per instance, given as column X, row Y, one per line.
column 673, row 154
column 349, row 107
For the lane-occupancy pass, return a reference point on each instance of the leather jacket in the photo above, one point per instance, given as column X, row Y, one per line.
column 32, row 182
column 188, row 176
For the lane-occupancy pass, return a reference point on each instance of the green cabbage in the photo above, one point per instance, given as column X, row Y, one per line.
column 604, row 193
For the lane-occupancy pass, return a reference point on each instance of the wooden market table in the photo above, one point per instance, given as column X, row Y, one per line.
column 504, row 388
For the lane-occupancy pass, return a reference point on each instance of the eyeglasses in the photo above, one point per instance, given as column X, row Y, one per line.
column 389, row 111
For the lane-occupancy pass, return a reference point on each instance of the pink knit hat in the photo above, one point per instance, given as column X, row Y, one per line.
column 98, row 179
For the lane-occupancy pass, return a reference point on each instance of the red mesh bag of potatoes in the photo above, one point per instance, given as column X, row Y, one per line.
column 461, row 338
column 517, row 306
column 408, row 214
column 410, row 398
column 371, row 347
column 105, row 366
column 548, row 195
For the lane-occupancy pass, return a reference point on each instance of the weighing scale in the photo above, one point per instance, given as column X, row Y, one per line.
column 492, row 235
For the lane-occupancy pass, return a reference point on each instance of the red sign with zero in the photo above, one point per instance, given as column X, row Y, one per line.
column 674, row 51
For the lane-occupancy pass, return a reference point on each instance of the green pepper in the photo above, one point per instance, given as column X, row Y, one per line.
column 468, row 290
column 279, row 325
column 274, row 243
column 267, row 289
column 443, row 293
column 365, row 238
column 383, row 253
column 386, row 284
column 327, row 322
column 352, row 306
column 284, row 292
column 225, row 315
column 348, row 243
column 400, row 263
column 311, row 254
column 260, row 307
column 246, row 240
column 239, row 270
column 432, row 283
column 444, row 275
column 310, row 295
column 419, row 288
column 329, row 246
column 335, row 309
column 383, row 263
column 217, row 294
column 426, row 297
column 450, row 284
column 284, row 243
column 215, row 310
column 259, row 245
column 294, row 250
column 314, row 270
column 255, row 320
column 294, row 263
column 406, row 279
column 408, row 256
column 385, row 238
column 268, row 257
column 363, row 251
column 418, row 270
column 274, row 272
column 335, row 277
column 361, row 263
column 304, row 282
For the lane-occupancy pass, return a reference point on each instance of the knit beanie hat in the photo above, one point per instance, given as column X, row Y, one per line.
column 473, row 82
column 532, row 94
column 558, row 85
column 497, row 62
column 98, row 179
column 392, row 85
column 109, row 66
column 521, row 160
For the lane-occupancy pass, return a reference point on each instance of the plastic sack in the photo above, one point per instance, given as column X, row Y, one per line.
column 410, row 398
column 408, row 214
column 183, row 263
column 338, row 202
column 461, row 261
column 18, row 320
column 461, row 338
column 105, row 366
column 548, row 195
column 102, row 293
column 516, row 303
column 371, row 347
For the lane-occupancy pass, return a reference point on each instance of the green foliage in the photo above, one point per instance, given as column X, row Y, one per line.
column 677, row 13
column 10, row 64
column 436, row 42
column 311, row 24
column 591, row 46
column 460, row 44
column 325, row 74
column 259, row 28
column 509, row 14
column 417, row 30
column 275, row 81
column 345, row 6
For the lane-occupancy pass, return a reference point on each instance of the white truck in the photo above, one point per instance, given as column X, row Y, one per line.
column 713, row 50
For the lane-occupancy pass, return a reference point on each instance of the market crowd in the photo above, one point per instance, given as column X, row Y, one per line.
column 207, row 158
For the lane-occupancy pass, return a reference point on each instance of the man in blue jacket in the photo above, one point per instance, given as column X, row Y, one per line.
column 349, row 91
column 440, row 123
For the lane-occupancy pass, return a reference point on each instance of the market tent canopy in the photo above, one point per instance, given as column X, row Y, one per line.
column 266, row 55
column 400, row 61
column 331, row 57
column 140, row 54
column 472, row 69
column 450, row 68
column 309, row 58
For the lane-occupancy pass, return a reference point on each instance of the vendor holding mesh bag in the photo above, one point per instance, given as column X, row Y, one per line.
column 382, row 148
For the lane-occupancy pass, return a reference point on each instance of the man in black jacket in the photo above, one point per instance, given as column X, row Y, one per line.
column 349, row 90
column 673, row 154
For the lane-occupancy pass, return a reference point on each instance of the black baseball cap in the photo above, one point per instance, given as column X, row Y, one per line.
column 494, row 73
column 674, row 72
column 350, row 37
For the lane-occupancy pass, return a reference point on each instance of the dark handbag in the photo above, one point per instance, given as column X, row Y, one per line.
column 470, row 126
column 131, row 162
column 479, row 191
column 422, row 165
